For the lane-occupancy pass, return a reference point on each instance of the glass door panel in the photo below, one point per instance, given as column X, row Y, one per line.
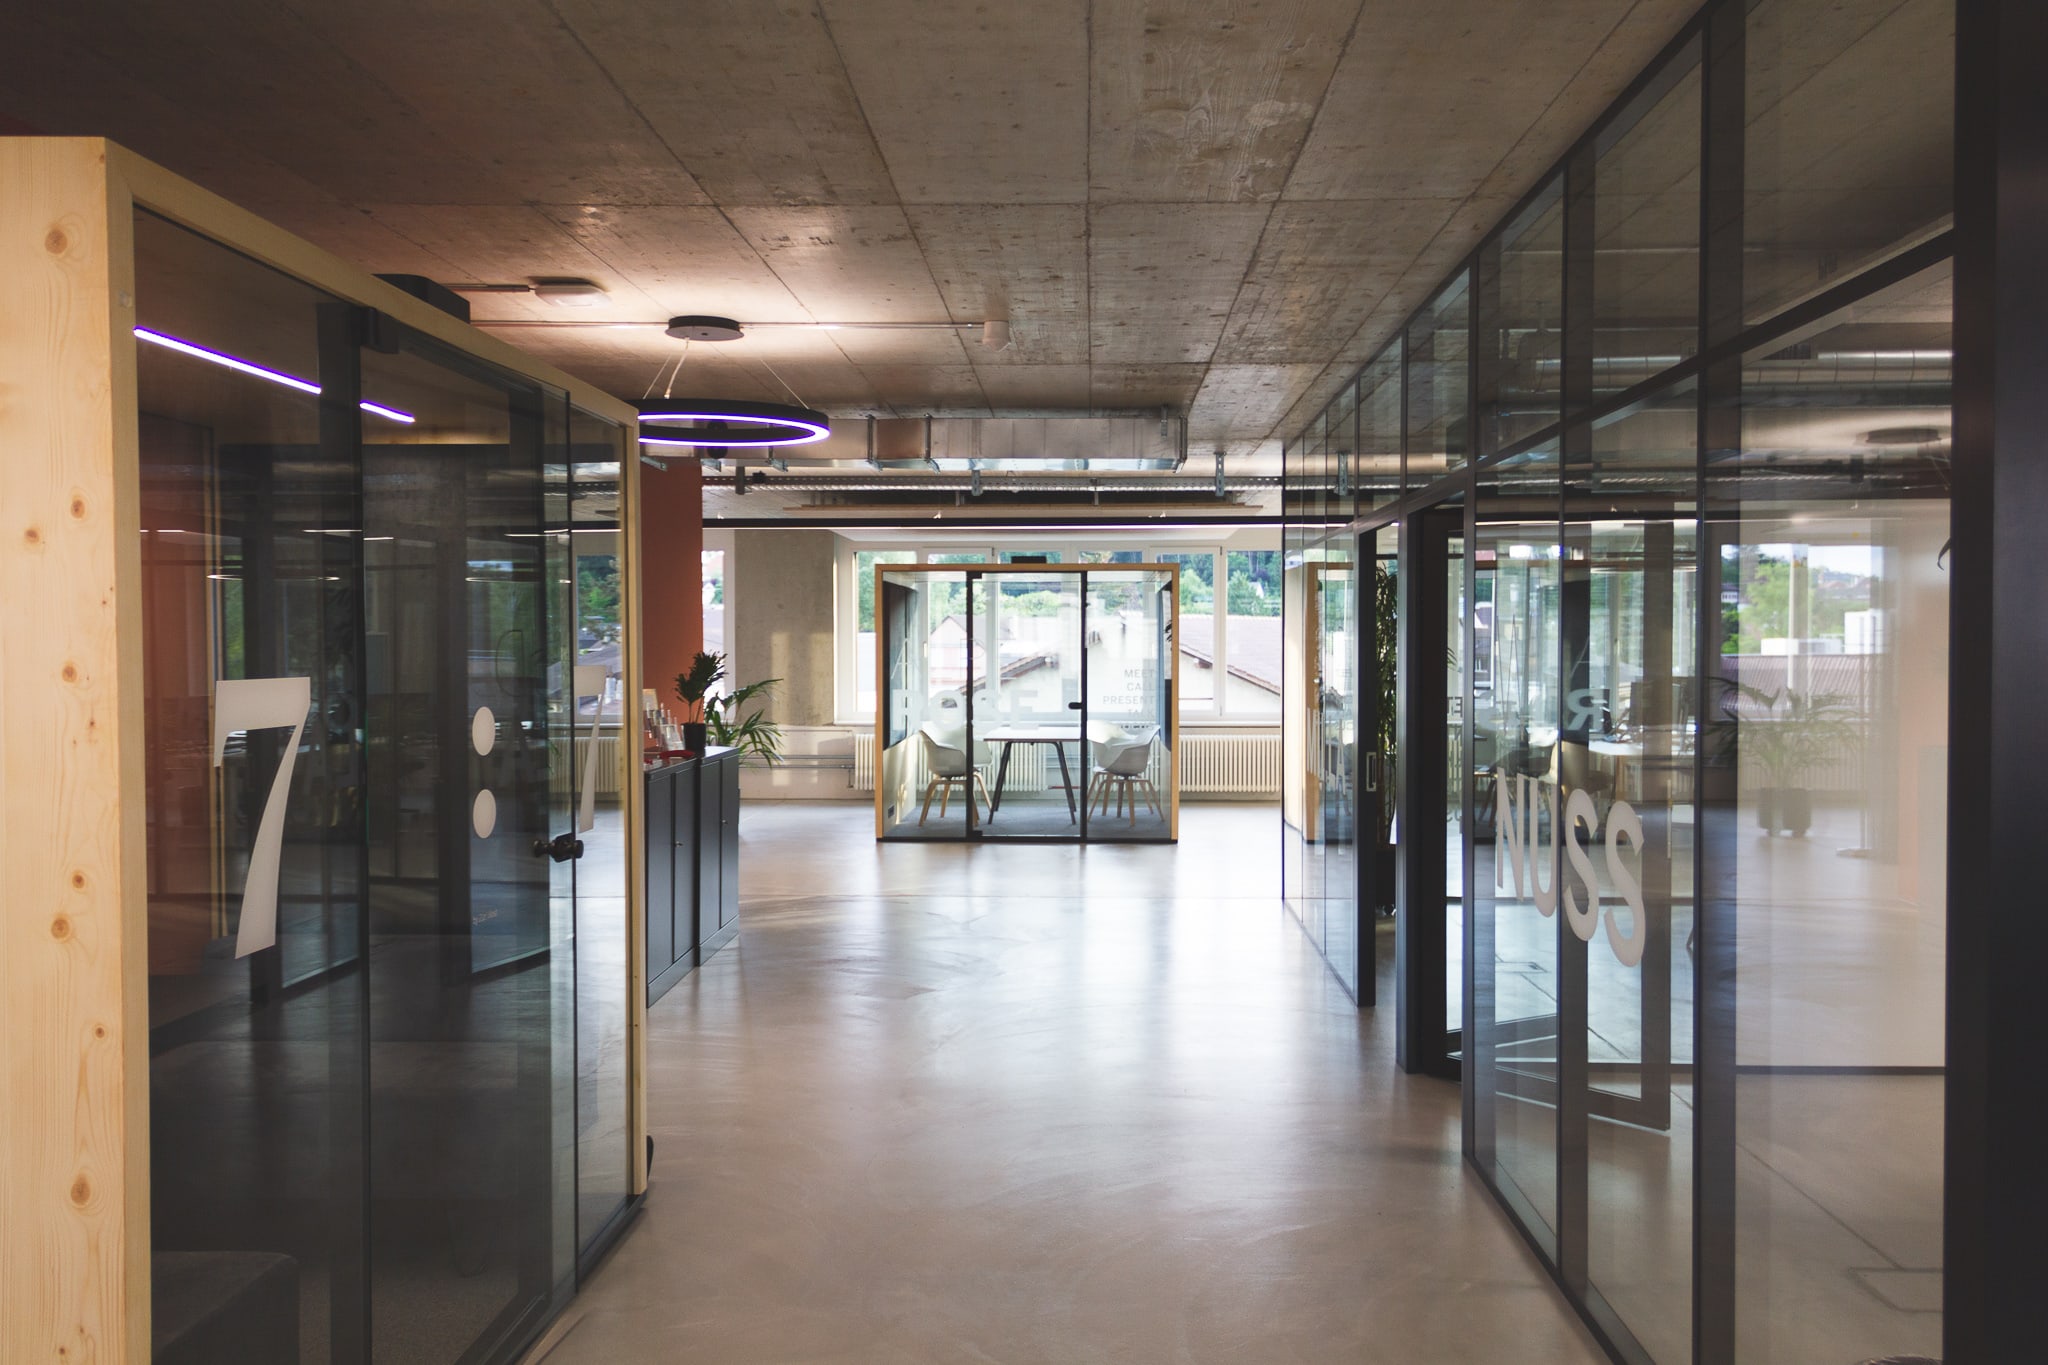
column 1126, row 762
column 1335, row 755
column 591, row 644
column 1025, row 725
column 470, row 972
column 930, row 786
column 1457, row 764
column 1513, row 939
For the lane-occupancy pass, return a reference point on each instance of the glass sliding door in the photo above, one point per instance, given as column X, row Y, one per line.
column 587, row 650
column 471, row 970
column 364, row 679
column 1513, row 942
column 251, row 518
column 1023, row 703
column 1027, row 718
column 932, row 779
column 1128, row 722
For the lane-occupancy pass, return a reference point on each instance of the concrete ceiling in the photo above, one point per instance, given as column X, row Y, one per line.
column 1222, row 208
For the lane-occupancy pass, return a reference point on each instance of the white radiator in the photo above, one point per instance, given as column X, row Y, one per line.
column 1230, row 765
column 607, row 761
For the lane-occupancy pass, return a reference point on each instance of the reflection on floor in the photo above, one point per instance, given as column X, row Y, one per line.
column 1045, row 1103
column 1030, row 815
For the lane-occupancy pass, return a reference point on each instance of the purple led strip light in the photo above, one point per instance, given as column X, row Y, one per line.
column 274, row 376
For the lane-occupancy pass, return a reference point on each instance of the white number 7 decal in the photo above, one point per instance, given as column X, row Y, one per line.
column 262, row 704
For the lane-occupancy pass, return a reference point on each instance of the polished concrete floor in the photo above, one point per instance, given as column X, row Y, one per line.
column 1045, row 1103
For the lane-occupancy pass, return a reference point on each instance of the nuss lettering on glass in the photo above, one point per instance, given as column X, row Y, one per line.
column 1515, row 819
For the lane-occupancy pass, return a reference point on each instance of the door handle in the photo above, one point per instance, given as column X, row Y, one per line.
column 561, row 848
column 1074, row 706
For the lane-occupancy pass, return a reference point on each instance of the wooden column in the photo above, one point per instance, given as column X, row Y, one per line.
column 74, row 1151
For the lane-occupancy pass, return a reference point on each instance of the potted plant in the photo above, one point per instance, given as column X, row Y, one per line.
column 693, row 686
column 1386, row 601
column 751, row 733
column 1793, row 734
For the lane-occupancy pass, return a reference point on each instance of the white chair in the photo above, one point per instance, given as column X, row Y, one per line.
column 1121, row 765
column 947, row 764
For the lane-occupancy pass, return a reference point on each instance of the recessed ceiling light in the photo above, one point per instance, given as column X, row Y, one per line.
column 570, row 293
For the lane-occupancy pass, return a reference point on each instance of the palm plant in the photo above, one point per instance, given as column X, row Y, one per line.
column 694, row 684
column 752, row 733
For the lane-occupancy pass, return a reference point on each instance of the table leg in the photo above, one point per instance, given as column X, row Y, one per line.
column 995, row 800
column 1066, row 776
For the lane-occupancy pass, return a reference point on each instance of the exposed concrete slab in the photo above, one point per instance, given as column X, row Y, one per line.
column 1163, row 277
column 688, row 260
column 1193, row 101
column 973, row 103
column 753, row 98
column 1026, row 262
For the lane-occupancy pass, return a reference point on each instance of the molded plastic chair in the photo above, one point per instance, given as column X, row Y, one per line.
column 1120, row 767
column 947, row 764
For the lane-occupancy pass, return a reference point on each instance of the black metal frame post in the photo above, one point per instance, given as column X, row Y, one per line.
column 1996, row 1180
column 1420, row 783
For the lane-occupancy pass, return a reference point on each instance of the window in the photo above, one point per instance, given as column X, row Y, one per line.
column 864, row 562
column 714, row 601
column 1229, row 665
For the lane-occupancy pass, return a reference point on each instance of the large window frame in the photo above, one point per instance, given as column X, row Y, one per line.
column 852, row 646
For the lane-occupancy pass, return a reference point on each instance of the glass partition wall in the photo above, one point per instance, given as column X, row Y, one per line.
column 1691, row 807
column 387, row 923
column 1026, row 702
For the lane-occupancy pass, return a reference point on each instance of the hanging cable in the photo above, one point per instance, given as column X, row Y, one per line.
column 670, row 391
column 785, row 384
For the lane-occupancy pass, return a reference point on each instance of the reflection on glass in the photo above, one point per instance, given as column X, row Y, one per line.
column 251, row 537
column 1521, row 311
column 1457, row 762
column 368, row 1113
column 1199, row 663
column 1834, row 93
column 599, row 775
column 864, row 562
column 1516, row 648
column 1439, row 349
column 1828, row 715
column 1626, row 745
column 1646, row 233
column 1380, row 429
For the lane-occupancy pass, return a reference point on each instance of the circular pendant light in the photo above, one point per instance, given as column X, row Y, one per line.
column 723, row 423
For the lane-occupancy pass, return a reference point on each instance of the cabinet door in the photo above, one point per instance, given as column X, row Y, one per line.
column 729, row 842
column 661, row 938
column 679, row 852
column 710, row 842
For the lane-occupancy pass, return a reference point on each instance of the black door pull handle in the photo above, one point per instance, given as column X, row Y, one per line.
column 561, row 848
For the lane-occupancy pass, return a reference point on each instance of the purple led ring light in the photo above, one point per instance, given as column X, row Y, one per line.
column 773, row 424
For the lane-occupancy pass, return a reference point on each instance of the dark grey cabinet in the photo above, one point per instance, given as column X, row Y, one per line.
column 693, row 864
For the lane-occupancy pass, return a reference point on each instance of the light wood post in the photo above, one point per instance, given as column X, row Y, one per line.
column 74, row 1123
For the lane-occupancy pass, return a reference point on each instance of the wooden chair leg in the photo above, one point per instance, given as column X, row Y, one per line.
column 980, row 782
column 1132, row 783
column 929, row 788
column 944, row 796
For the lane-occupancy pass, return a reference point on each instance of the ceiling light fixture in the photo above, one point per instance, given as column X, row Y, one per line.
column 718, row 423
column 703, row 327
column 227, row 361
column 570, row 293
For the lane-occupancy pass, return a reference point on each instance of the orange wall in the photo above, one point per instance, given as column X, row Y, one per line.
column 671, row 576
